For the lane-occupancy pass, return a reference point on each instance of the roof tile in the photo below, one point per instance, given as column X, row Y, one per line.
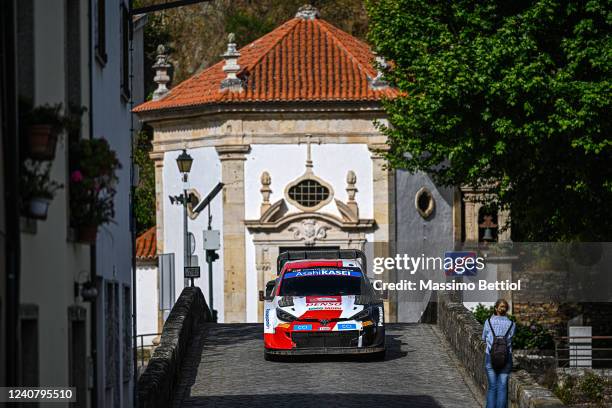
column 146, row 245
column 302, row 60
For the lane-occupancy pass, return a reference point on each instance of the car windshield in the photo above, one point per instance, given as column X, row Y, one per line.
column 322, row 282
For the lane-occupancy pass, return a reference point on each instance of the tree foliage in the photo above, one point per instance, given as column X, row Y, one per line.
column 197, row 34
column 144, row 195
column 513, row 97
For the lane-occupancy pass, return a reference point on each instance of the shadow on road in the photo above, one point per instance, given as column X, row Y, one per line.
column 394, row 351
column 314, row 401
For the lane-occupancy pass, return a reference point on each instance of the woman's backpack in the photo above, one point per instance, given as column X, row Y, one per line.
column 500, row 350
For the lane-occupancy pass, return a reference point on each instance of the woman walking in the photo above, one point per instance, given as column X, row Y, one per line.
column 497, row 333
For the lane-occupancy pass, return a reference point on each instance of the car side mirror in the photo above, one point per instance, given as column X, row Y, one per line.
column 270, row 290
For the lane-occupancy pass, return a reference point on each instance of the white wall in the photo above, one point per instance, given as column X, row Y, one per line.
column 205, row 174
column 147, row 298
column 286, row 163
column 112, row 121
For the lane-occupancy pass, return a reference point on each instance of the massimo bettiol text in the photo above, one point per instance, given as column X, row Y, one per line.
column 417, row 273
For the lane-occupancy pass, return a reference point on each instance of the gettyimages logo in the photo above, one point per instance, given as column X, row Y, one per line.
column 454, row 263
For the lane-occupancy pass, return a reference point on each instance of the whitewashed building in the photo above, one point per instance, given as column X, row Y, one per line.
column 286, row 123
column 117, row 81
column 74, row 313
column 147, row 289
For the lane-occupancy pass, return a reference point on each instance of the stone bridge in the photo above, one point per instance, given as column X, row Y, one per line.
column 203, row 364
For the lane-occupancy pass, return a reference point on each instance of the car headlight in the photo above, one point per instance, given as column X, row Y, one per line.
column 363, row 300
column 285, row 301
column 365, row 314
column 284, row 316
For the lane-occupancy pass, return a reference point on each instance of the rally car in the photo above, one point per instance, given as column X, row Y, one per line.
column 322, row 303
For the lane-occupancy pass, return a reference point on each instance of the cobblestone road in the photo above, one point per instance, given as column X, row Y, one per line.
column 225, row 368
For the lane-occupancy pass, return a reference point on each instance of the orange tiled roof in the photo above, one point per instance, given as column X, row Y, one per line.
column 302, row 60
column 146, row 245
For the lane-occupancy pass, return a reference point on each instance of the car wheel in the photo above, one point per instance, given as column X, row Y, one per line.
column 269, row 357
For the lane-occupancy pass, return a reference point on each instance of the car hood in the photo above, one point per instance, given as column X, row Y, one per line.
column 323, row 307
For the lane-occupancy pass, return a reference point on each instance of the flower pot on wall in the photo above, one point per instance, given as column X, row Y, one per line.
column 38, row 208
column 87, row 234
column 42, row 140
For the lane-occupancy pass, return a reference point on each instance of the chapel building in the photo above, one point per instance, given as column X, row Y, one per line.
column 287, row 123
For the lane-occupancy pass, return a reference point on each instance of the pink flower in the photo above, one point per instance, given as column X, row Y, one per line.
column 76, row 176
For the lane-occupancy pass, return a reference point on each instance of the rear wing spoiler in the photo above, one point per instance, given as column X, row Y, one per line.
column 338, row 254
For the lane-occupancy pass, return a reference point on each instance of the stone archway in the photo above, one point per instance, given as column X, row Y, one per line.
column 277, row 229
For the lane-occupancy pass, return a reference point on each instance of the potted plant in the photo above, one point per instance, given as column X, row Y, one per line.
column 37, row 189
column 92, row 187
column 43, row 125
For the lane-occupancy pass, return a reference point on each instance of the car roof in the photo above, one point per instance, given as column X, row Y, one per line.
column 313, row 263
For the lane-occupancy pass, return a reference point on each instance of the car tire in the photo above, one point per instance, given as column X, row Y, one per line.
column 269, row 356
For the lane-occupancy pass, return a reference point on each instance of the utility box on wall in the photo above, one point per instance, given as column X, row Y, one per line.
column 212, row 239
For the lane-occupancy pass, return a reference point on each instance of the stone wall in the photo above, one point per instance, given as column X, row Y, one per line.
column 156, row 385
column 463, row 332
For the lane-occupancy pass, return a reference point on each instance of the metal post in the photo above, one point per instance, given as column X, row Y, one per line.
column 142, row 351
column 210, row 270
column 186, row 261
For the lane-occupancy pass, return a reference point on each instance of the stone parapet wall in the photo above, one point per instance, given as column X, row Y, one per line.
column 156, row 385
column 463, row 332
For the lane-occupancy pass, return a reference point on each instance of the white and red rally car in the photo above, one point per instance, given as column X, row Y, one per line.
column 323, row 303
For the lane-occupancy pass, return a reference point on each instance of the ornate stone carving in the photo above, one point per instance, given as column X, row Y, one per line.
column 307, row 12
column 161, row 78
column 265, row 190
column 424, row 202
column 351, row 180
column 194, row 198
column 378, row 82
column 231, row 82
column 309, row 231
column 309, row 192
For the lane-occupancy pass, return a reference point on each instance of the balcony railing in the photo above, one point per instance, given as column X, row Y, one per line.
column 583, row 351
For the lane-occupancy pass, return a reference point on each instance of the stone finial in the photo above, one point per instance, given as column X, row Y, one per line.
column 351, row 180
column 265, row 190
column 307, row 12
column 378, row 82
column 231, row 68
column 161, row 68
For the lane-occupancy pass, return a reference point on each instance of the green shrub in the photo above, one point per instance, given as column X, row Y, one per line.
column 565, row 391
column 592, row 387
column 482, row 313
column 588, row 389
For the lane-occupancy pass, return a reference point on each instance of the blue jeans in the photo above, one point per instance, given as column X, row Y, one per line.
column 497, row 392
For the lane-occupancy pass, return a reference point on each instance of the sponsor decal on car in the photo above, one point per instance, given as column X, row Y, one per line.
column 325, row 328
column 347, row 326
column 322, row 272
column 323, row 299
column 267, row 314
column 302, row 327
column 324, row 307
column 324, row 302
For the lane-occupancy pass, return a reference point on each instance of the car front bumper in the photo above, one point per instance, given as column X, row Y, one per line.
column 326, row 351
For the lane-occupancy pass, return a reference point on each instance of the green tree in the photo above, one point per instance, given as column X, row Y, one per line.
column 144, row 195
column 509, row 96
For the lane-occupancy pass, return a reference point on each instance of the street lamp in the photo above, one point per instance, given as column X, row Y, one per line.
column 184, row 161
